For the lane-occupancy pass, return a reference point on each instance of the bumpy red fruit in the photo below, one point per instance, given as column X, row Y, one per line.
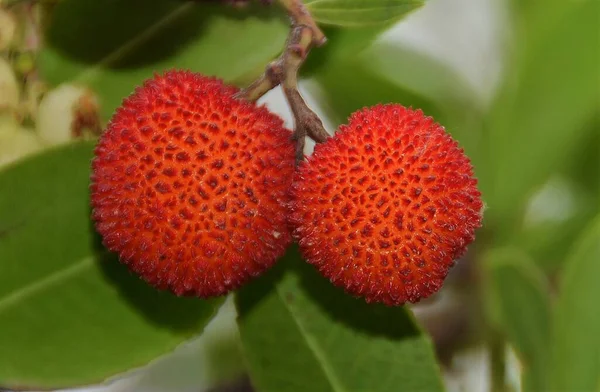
column 189, row 185
column 385, row 206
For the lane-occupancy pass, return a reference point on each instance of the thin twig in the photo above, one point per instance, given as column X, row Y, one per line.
column 304, row 34
column 307, row 123
column 300, row 16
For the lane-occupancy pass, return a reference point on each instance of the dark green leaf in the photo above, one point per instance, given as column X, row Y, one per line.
column 520, row 301
column 300, row 333
column 70, row 313
column 585, row 170
column 113, row 45
column 352, row 13
column 576, row 345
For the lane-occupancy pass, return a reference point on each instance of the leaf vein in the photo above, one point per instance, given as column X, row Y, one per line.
column 313, row 346
column 40, row 285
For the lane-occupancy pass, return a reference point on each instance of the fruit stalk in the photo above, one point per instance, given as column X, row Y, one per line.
column 307, row 123
column 304, row 34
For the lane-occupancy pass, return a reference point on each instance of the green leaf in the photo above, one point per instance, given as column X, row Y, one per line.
column 300, row 333
column 555, row 217
column 70, row 313
column 418, row 73
column 353, row 13
column 521, row 304
column 342, row 45
column 576, row 344
column 113, row 45
column 544, row 108
column 353, row 86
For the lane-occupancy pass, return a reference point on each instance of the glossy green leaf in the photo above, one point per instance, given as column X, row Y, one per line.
column 521, row 303
column 576, row 344
column 300, row 333
column 352, row 13
column 545, row 107
column 70, row 313
column 113, row 45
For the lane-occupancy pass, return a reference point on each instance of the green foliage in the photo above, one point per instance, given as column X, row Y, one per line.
column 353, row 13
column 70, row 313
column 576, row 342
column 112, row 46
column 521, row 306
column 340, row 85
column 366, row 79
column 544, row 109
column 555, row 218
column 343, row 45
column 321, row 339
column 412, row 70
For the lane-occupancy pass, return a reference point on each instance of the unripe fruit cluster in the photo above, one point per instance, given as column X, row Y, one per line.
column 198, row 192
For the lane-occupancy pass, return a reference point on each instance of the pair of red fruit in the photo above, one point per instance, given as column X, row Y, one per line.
column 198, row 192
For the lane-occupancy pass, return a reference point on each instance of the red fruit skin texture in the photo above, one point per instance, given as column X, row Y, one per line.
column 189, row 185
column 385, row 206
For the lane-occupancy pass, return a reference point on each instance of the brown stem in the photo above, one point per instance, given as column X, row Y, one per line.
column 307, row 123
column 300, row 16
column 283, row 71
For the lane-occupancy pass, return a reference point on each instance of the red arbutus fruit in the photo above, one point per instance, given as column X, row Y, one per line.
column 385, row 206
column 189, row 185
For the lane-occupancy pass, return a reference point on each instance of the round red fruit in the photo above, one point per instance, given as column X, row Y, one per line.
column 189, row 185
column 385, row 206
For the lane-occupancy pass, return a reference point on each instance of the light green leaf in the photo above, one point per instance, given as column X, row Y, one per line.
column 544, row 108
column 521, row 304
column 112, row 46
column 70, row 313
column 576, row 345
column 353, row 13
column 300, row 333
